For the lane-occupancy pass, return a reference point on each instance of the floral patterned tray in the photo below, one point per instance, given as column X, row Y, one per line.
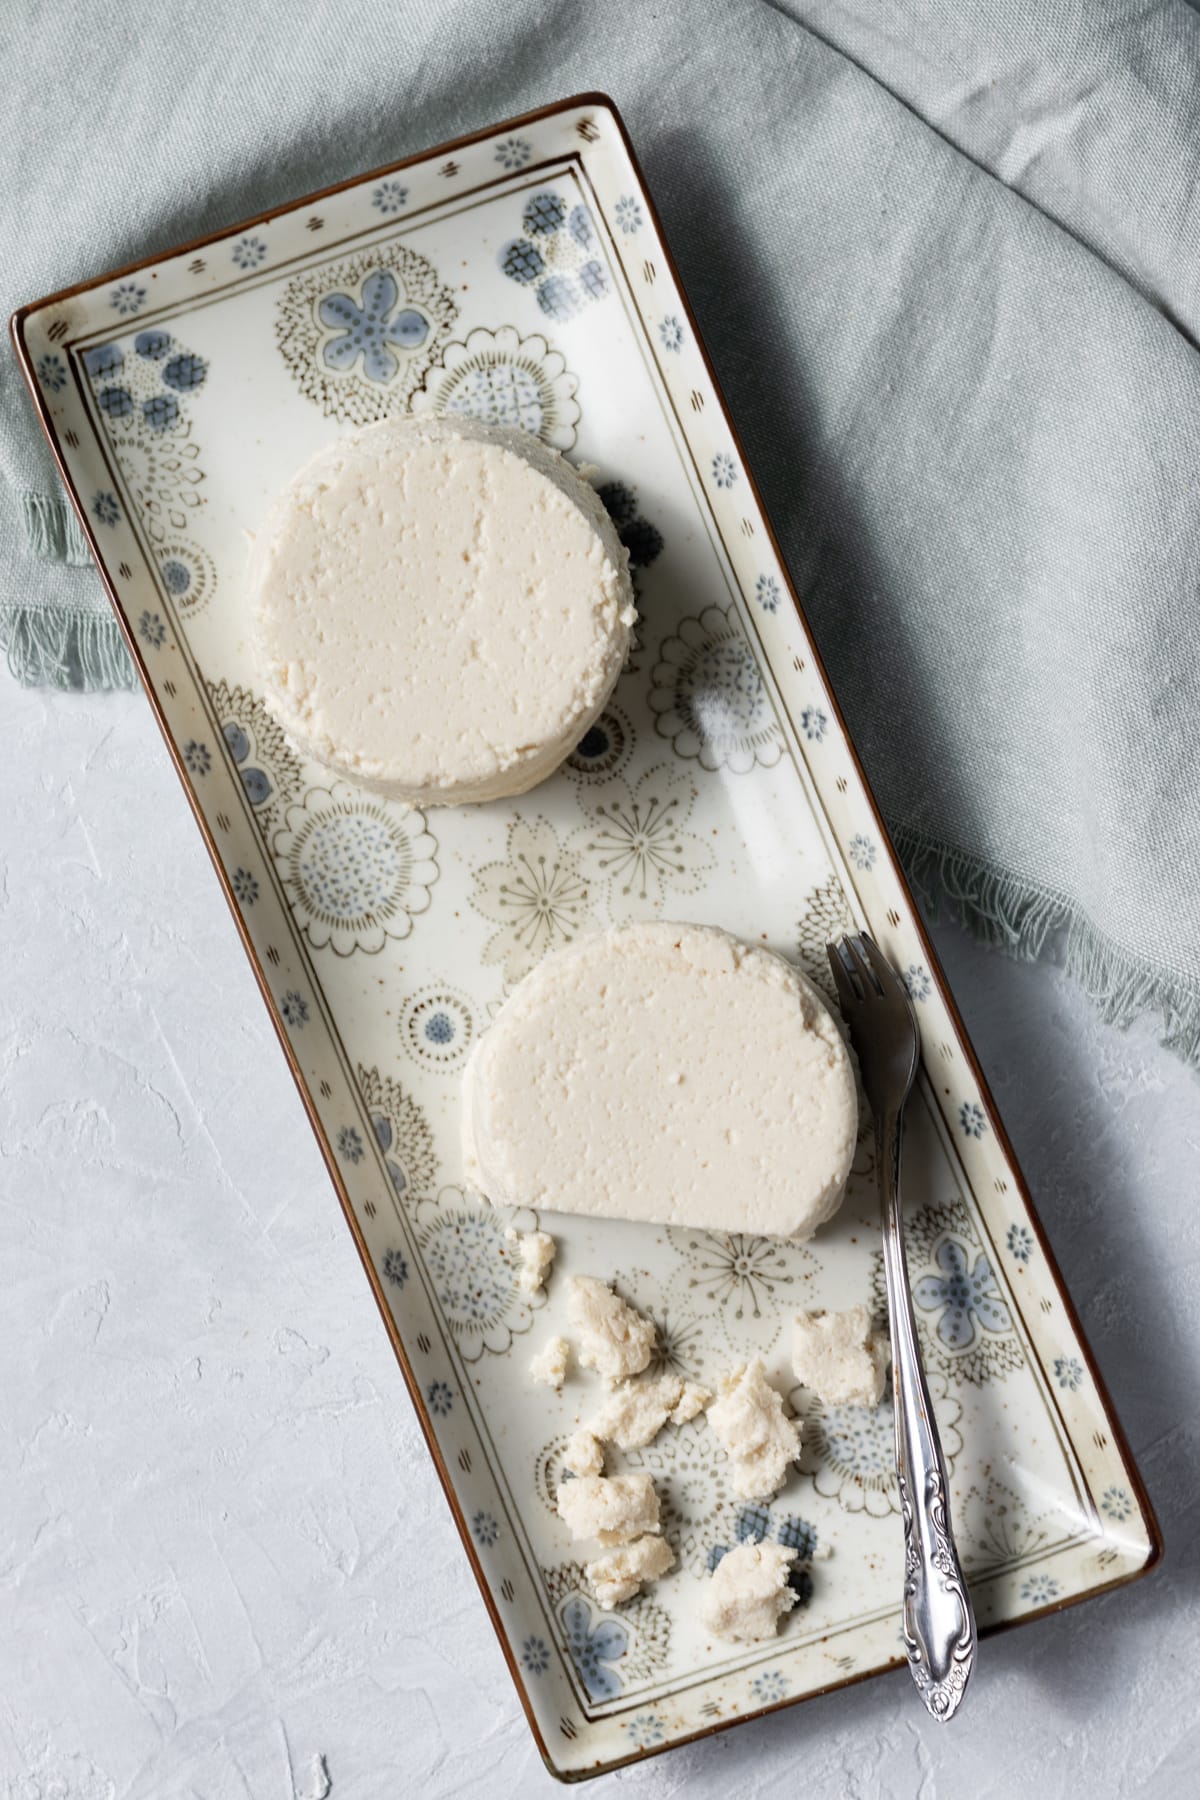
column 520, row 275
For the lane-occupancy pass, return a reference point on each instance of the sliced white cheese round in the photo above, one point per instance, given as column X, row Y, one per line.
column 441, row 610
column 666, row 1073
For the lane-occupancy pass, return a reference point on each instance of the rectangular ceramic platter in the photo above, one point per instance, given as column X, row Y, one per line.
column 526, row 280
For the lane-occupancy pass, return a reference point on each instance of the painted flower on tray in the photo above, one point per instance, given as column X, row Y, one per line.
column 767, row 592
column 512, row 153
column 557, row 256
column 248, row 252
column 360, row 335
column 670, row 333
column 643, row 540
column 996, row 1526
column 604, row 748
column 401, row 1131
column 268, row 768
column 105, row 508
column 917, row 984
column 535, row 1656
column 826, row 917
column 636, row 847
column 709, row 699
column 439, row 1399
column 850, row 1451
column 245, row 887
column 504, row 379
column 395, row 1267
column 972, row 1118
column 812, row 723
column 473, row 1271
column 127, row 298
column 350, row 1145
column 1020, row 1242
column 52, row 373
column 485, row 1528
column 1115, row 1502
column 1039, row 1590
column 693, row 1478
column 644, row 1730
column 1068, row 1372
column 197, row 757
column 389, row 197
column 964, row 1322
column 293, row 1006
column 629, row 214
column 189, row 575
column 152, row 630
column 537, row 895
column 437, row 1028
column 595, row 1641
column 964, row 1296
column 356, row 870
column 724, row 469
column 863, row 852
column 768, row 1686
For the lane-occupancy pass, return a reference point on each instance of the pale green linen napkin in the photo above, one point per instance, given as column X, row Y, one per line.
column 946, row 260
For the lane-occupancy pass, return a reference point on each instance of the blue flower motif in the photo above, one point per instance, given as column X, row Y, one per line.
column 535, row 1656
column 863, row 851
column 579, row 224
column 1068, row 1372
column 645, row 1730
column 752, row 1524
column 245, row 889
column 105, row 508
column 544, row 214
column 715, row 1553
column 294, row 1008
column 593, row 278
column 962, row 1295
column 395, row 1267
column 103, row 359
column 917, row 983
column 152, row 345
column 185, row 372
column 522, row 261
column 724, row 470
column 1039, row 1589
column 972, row 1118
column 766, row 592
column 349, row 1144
column 485, row 1528
column 389, row 197
column 670, row 333
column 812, row 723
column 592, row 1649
column 1116, row 1503
column 369, row 329
column 115, row 402
column 439, row 1028
column 127, row 298
column 629, row 214
column 160, row 412
column 559, row 297
column 1020, row 1242
column 177, row 577
column 768, row 1686
column 197, row 757
column 248, row 252
column 440, row 1398
column 152, row 630
column 52, row 372
column 798, row 1535
column 512, row 153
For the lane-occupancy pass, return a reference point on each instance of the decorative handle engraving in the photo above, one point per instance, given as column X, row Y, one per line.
column 939, row 1625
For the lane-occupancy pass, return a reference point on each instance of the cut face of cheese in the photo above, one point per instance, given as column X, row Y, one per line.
column 440, row 611
column 665, row 1073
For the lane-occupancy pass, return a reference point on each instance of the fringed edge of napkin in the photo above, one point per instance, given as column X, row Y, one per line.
column 1028, row 921
column 50, row 647
column 52, row 530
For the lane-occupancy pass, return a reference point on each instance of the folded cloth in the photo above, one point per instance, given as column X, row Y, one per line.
column 946, row 261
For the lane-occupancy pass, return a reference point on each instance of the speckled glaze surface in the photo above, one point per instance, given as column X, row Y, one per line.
column 520, row 278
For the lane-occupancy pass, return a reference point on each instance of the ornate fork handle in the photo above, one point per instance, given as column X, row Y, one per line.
column 939, row 1625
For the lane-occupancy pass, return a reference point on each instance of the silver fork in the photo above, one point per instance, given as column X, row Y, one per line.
column 939, row 1625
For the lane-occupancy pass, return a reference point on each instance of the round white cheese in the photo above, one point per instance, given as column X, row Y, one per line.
column 441, row 611
column 665, row 1073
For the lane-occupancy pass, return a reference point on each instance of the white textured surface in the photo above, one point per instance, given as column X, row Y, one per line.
column 226, row 1567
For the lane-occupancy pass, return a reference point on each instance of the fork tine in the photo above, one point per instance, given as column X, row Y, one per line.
column 839, row 956
column 885, row 976
column 866, row 972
